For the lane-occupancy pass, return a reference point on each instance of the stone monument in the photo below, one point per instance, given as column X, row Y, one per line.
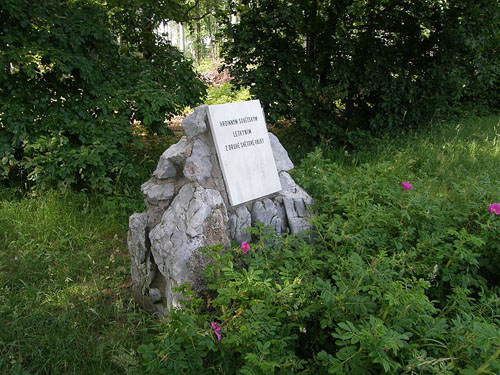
column 223, row 176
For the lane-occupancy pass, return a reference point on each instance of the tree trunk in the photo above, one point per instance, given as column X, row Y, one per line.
column 182, row 40
column 148, row 40
column 198, row 34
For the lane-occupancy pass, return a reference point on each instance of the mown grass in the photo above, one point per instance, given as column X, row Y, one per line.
column 65, row 302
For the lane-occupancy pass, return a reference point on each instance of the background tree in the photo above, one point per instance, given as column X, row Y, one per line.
column 339, row 66
column 69, row 91
column 204, row 28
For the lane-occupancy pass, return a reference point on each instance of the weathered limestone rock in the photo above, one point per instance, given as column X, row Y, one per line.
column 295, row 201
column 196, row 123
column 142, row 268
column 187, row 208
column 238, row 222
column 198, row 166
column 137, row 246
column 155, row 191
column 265, row 211
column 171, row 159
column 196, row 218
column 283, row 162
column 296, row 210
column 157, row 197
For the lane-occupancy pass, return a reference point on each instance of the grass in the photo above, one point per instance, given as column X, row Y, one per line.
column 444, row 152
column 65, row 302
column 65, row 306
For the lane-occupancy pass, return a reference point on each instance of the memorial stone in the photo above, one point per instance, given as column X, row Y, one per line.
column 225, row 175
column 244, row 150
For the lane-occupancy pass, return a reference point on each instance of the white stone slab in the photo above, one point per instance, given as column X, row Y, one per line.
column 244, row 150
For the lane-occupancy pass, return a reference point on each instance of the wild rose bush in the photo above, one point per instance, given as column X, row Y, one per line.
column 397, row 280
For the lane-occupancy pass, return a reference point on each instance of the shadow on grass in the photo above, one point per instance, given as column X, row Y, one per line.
column 65, row 302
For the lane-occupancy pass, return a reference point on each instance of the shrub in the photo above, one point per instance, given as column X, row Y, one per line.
column 69, row 93
column 400, row 278
column 337, row 66
column 226, row 93
column 305, row 308
column 393, row 283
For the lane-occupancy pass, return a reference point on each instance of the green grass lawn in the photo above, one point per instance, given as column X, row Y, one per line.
column 462, row 148
column 65, row 301
column 65, row 305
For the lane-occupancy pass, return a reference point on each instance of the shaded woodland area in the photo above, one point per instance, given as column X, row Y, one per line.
column 77, row 76
column 389, row 110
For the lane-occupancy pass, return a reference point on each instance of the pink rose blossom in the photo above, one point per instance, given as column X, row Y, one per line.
column 494, row 208
column 216, row 328
column 245, row 247
column 406, row 185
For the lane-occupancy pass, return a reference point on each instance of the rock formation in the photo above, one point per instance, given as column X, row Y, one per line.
column 187, row 208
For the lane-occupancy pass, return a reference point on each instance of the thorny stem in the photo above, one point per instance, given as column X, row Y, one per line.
column 232, row 317
column 486, row 364
column 354, row 355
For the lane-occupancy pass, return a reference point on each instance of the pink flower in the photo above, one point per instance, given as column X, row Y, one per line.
column 406, row 185
column 216, row 328
column 245, row 247
column 494, row 208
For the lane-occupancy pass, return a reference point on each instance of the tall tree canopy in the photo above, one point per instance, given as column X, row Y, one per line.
column 74, row 76
column 334, row 66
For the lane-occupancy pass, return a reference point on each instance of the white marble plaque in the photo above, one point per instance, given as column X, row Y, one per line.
column 244, row 151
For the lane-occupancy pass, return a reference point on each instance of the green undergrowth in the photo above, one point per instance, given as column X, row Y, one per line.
column 65, row 301
column 448, row 150
column 226, row 93
column 394, row 281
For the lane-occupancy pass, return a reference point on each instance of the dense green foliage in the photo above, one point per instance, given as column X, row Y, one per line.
column 70, row 93
column 395, row 281
column 203, row 29
column 226, row 93
column 338, row 66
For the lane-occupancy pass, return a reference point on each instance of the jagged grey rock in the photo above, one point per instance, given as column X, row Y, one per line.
column 239, row 221
column 187, row 208
column 157, row 197
column 287, row 182
column 142, row 270
column 296, row 201
column 136, row 241
column 283, row 162
column 198, row 166
column 165, row 169
column 196, row 123
column 171, row 159
column 278, row 203
column 155, row 191
column 196, row 218
column 265, row 211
